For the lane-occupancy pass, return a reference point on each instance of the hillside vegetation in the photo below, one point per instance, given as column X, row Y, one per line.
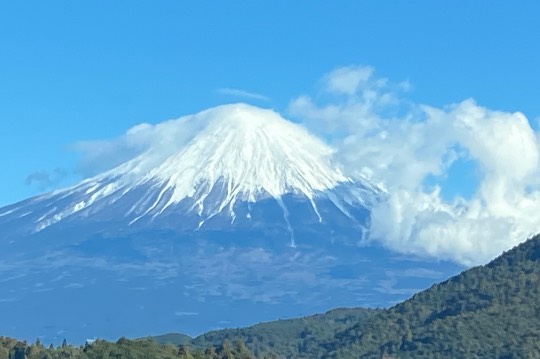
column 491, row 311
column 291, row 338
column 122, row 349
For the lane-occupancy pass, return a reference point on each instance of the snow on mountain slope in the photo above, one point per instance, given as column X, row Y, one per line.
column 236, row 155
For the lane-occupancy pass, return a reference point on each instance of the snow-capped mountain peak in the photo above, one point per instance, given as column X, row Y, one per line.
column 255, row 153
column 228, row 156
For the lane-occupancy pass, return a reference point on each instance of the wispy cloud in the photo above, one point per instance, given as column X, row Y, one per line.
column 7, row 300
column 44, row 180
column 242, row 94
column 74, row 285
column 156, row 141
column 185, row 314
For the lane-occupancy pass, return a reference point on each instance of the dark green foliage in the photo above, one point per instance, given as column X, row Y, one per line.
column 491, row 311
column 122, row 349
column 291, row 338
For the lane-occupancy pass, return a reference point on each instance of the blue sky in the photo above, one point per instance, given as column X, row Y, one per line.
column 437, row 99
column 73, row 71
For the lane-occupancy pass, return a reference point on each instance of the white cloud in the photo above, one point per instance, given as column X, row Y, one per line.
column 401, row 149
column 242, row 94
column 158, row 142
column 347, row 80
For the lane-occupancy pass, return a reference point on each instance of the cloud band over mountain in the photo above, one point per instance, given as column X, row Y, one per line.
column 462, row 180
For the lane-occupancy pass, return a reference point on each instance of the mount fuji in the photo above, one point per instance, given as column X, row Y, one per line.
column 233, row 216
column 247, row 168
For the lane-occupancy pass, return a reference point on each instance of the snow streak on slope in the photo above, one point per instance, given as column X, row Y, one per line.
column 238, row 153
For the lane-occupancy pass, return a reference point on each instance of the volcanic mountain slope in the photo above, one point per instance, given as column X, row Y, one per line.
column 231, row 216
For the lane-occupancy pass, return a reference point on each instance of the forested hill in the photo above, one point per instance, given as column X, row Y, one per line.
column 492, row 311
column 122, row 349
column 290, row 338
